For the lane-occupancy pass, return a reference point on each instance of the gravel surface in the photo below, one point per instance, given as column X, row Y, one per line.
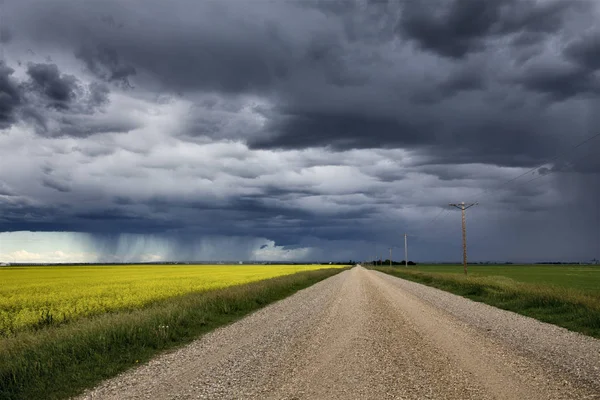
column 366, row 335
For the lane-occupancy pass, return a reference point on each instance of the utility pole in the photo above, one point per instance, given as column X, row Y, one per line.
column 405, row 251
column 390, row 256
column 462, row 206
column 375, row 260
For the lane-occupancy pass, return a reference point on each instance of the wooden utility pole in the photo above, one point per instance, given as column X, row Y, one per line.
column 462, row 206
column 390, row 256
column 405, row 251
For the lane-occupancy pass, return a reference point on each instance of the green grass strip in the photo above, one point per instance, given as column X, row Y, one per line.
column 567, row 307
column 60, row 362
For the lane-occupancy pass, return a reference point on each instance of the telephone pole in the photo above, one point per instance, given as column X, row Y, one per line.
column 405, row 251
column 376, row 261
column 390, row 256
column 462, row 206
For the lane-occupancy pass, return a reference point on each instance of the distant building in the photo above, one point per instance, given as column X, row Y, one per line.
column 4, row 264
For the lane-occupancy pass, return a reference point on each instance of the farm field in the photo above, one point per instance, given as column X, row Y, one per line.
column 585, row 278
column 54, row 360
column 564, row 295
column 32, row 297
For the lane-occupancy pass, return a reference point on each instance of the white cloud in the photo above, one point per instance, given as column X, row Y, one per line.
column 270, row 251
column 24, row 256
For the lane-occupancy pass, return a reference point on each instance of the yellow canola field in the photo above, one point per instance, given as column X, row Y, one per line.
column 35, row 296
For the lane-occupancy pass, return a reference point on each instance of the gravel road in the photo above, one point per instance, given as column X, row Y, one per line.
column 365, row 335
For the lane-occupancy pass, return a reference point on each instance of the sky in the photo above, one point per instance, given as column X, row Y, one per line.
column 146, row 130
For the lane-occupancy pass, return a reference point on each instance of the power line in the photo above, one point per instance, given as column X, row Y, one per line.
column 557, row 157
column 442, row 214
column 490, row 191
column 529, row 184
column 443, row 210
column 552, row 171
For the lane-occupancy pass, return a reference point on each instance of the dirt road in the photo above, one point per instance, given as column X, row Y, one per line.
column 365, row 335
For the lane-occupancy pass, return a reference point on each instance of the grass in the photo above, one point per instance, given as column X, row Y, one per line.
column 571, row 303
column 585, row 278
column 57, row 362
column 35, row 297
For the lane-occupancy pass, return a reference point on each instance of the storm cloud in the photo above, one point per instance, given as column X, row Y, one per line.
column 10, row 96
column 456, row 28
column 321, row 130
column 58, row 90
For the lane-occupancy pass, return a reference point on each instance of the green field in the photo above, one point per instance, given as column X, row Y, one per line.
column 34, row 297
column 580, row 277
column 564, row 295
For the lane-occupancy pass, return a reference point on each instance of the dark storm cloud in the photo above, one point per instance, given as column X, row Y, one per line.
column 83, row 126
column 59, row 89
column 106, row 215
column 560, row 81
column 122, row 200
column 456, row 28
column 255, row 209
column 10, row 96
column 20, row 213
column 65, row 92
column 521, row 137
column 187, row 46
column 5, row 190
column 487, row 134
column 341, row 131
column 328, row 67
column 56, row 185
column 106, row 64
column 57, row 104
column 466, row 79
column 585, row 51
column 5, row 35
column 98, row 94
